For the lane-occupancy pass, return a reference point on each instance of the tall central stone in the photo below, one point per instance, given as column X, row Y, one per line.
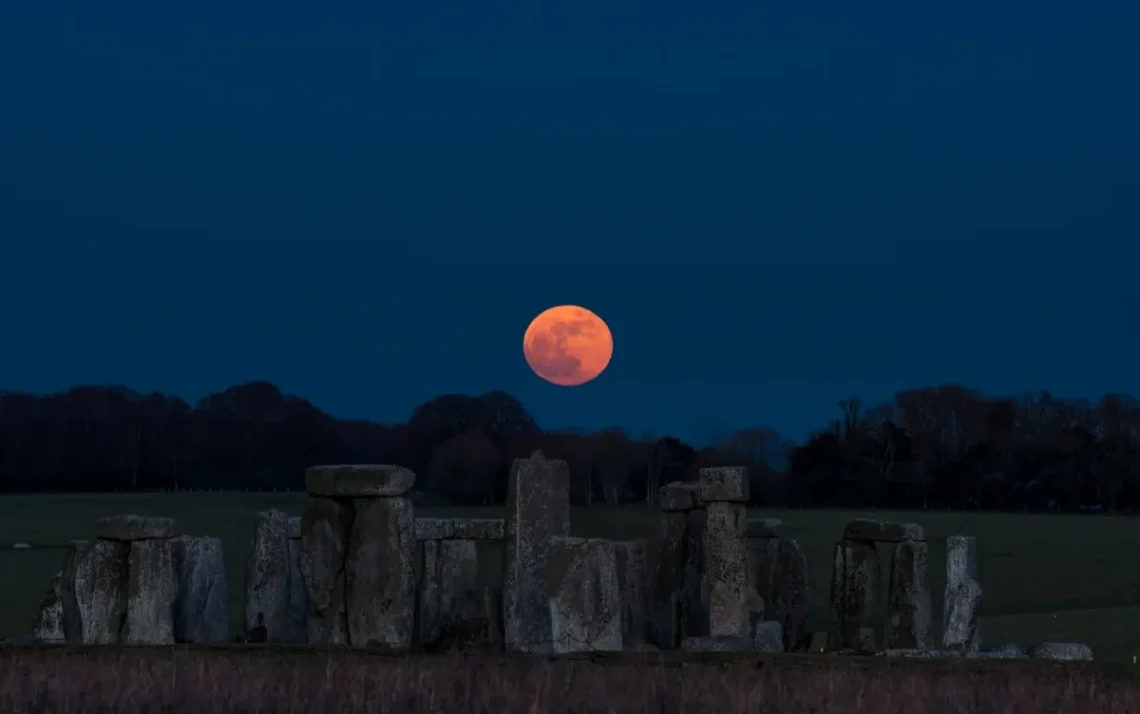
column 538, row 511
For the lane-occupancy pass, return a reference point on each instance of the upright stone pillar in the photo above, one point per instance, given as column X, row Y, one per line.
column 202, row 610
column 961, row 627
column 908, row 599
column 49, row 625
column 455, row 615
column 586, row 598
column 726, row 588
column 357, row 556
column 267, row 580
column 297, row 619
column 780, row 574
column 676, row 500
column 856, row 594
column 538, row 511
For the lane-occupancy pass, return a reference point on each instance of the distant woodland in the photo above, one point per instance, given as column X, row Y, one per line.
column 937, row 447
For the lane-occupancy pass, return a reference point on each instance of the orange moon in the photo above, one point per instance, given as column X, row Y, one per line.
column 568, row 345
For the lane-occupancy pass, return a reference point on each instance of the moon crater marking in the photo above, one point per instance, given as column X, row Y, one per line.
column 568, row 345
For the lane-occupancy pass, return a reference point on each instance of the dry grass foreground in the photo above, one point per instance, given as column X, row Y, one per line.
column 250, row 680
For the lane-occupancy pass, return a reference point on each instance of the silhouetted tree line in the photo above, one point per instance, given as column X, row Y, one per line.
column 938, row 447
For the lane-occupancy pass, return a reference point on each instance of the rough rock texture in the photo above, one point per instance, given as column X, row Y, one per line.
column 585, row 602
column 133, row 527
column 725, row 483
column 267, row 580
column 297, row 629
column 435, row 528
column 726, row 568
column 359, row 480
column 1004, row 651
column 202, row 608
column 49, row 623
column 768, row 636
column 765, row 527
column 679, row 496
column 719, row 643
column 293, row 528
column 475, row 625
column 324, row 543
column 667, row 591
column 380, row 586
column 479, row 528
column 908, row 598
column 781, row 577
column 1061, row 651
column 538, row 511
column 883, row 531
column 855, row 596
column 634, row 578
column 152, row 588
column 95, row 599
column 694, row 606
column 963, row 598
column 448, row 575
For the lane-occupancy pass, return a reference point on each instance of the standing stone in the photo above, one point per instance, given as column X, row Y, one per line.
column 324, row 543
column 694, row 604
column 152, row 588
column 202, row 608
column 585, row 603
column 961, row 629
column 725, row 483
column 633, row 575
column 726, row 562
column 95, row 601
column 538, row 511
column 855, row 596
column 781, row 578
column 297, row 627
column 448, row 575
column 49, row 625
column 669, row 579
column 267, row 580
column 380, row 586
column 908, row 599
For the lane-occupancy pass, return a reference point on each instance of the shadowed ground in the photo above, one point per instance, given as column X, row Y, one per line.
column 1067, row 578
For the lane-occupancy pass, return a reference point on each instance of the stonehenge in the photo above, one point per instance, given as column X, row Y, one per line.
column 360, row 570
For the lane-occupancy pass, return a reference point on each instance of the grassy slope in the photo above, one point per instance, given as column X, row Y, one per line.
column 1045, row 577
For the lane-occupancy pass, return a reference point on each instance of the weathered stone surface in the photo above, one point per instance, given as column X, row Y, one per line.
column 1061, row 651
column 70, row 621
column 725, row 483
column 585, row 602
column 435, row 528
column 768, row 636
column 679, row 496
column 133, row 527
column 1005, row 651
column 380, row 586
column 694, row 606
column 667, row 591
column 781, row 577
column 855, row 596
column 49, row 623
column 474, row 626
column 908, row 598
column 447, row 575
column 479, row 528
column 202, row 608
column 917, row 653
column 726, row 568
column 267, row 580
column 297, row 630
column 719, row 643
column 882, row 531
column 324, row 544
column 634, row 578
column 538, row 511
column 359, row 480
column 765, row 527
column 95, row 601
column 152, row 588
column 961, row 628
column 293, row 529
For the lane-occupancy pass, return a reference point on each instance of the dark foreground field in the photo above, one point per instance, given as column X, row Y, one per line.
column 1045, row 578
column 249, row 680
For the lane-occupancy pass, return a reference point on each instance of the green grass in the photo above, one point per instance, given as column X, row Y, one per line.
column 1074, row 578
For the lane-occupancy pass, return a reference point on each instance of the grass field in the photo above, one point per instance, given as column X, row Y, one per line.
column 1067, row 578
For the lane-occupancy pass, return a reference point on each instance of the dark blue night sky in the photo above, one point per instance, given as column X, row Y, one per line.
column 774, row 205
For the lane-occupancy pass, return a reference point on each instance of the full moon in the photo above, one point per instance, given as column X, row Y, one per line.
column 568, row 345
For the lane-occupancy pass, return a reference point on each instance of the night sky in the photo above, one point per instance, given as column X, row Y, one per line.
column 773, row 205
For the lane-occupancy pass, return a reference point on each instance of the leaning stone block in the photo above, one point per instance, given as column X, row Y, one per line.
column 95, row 601
column 725, row 483
column 885, row 531
column 908, row 599
column 267, row 580
column 359, row 480
column 1061, row 651
column 324, row 543
column 152, row 588
column 679, row 496
column 479, row 528
column 380, row 586
column 435, row 528
column 133, row 527
column 202, row 608
column 726, row 585
column 585, row 602
column 961, row 629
